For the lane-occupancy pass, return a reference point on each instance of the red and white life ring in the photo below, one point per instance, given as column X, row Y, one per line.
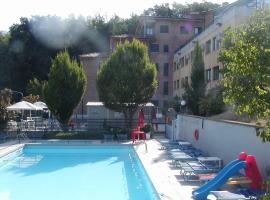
column 196, row 134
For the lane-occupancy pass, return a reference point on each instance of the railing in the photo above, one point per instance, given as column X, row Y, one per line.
column 74, row 125
column 97, row 128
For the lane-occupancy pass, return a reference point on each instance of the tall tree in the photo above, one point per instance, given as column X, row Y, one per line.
column 26, row 51
column 36, row 87
column 178, row 9
column 162, row 10
column 195, row 91
column 5, row 99
column 245, row 56
column 5, row 62
column 127, row 79
column 65, row 87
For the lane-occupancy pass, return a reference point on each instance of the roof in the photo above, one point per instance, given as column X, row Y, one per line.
column 23, row 105
column 185, row 17
column 94, row 104
column 220, row 12
column 98, row 103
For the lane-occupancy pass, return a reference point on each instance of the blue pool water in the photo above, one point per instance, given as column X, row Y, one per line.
column 99, row 172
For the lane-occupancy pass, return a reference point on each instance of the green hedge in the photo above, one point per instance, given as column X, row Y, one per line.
column 75, row 135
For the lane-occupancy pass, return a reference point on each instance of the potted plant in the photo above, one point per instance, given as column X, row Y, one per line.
column 147, row 129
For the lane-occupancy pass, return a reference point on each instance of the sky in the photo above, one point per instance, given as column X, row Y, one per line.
column 12, row 10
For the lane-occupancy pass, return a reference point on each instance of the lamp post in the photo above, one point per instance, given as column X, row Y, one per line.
column 183, row 103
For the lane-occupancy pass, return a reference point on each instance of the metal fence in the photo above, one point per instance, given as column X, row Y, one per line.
column 38, row 128
column 73, row 125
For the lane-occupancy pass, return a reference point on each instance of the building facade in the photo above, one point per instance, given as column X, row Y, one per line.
column 162, row 36
column 232, row 15
column 91, row 63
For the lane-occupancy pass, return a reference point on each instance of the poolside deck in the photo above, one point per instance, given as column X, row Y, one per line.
column 165, row 178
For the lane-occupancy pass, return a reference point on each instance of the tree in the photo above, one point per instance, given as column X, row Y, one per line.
column 31, row 98
column 178, row 9
column 162, row 10
column 5, row 72
column 196, row 90
column 5, row 99
column 127, row 79
column 245, row 56
column 176, row 104
column 65, row 87
column 212, row 103
column 36, row 87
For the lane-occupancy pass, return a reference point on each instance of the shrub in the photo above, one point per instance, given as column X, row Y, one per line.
column 212, row 103
column 147, row 128
column 74, row 135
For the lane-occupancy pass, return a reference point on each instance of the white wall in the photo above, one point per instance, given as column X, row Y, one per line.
column 223, row 139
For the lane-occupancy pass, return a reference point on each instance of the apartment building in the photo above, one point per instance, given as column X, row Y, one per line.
column 231, row 15
column 162, row 36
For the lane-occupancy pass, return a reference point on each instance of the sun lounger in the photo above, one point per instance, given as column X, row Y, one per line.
column 182, row 157
column 191, row 151
column 226, row 195
column 168, row 144
column 197, row 170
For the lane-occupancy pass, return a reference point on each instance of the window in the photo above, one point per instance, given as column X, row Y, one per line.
column 164, row 29
column 166, row 69
column 197, row 30
column 183, row 30
column 177, row 84
column 218, row 44
column 174, row 85
column 208, row 75
column 214, row 43
column 216, row 73
column 165, row 88
column 154, row 47
column 174, row 66
column 149, row 30
column 182, row 82
column 157, row 66
column 191, row 55
column 165, row 48
column 186, row 80
column 186, row 60
column 208, row 47
column 182, row 62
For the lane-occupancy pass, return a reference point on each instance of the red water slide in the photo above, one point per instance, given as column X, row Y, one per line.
column 253, row 173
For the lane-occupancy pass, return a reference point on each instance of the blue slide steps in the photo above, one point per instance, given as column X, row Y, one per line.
column 229, row 170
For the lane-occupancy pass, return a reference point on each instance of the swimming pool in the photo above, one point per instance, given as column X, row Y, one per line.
column 65, row 172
